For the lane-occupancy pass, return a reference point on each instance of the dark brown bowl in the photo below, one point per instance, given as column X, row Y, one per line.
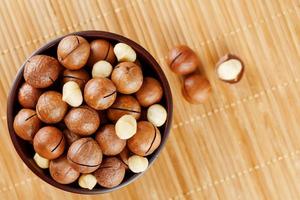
column 25, row 149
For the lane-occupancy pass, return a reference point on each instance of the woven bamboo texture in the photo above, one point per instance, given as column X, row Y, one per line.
column 244, row 143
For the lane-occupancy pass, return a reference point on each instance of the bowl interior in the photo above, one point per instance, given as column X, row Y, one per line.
column 150, row 68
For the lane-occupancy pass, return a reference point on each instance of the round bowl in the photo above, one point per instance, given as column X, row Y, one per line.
column 150, row 67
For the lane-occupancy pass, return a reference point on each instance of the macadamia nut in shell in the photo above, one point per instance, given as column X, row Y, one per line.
column 83, row 120
column 62, row 172
column 150, row 93
column 49, row 142
column 50, row 107
column 28, row 95
column 124, row 105
column 108, row 140
column 196, row 89
column 26, row 124
column 146, row 140
column 183, row 60
column 85, row 155
column 100, row 93
column 128, row 77
column 73, row 52
column 41, row 71
column 101, row 50
column 110, row 173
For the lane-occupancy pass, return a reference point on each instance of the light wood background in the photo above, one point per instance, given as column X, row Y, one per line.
column 244, row 143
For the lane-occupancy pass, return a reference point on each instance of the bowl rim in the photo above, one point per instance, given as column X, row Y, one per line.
column 98, row 35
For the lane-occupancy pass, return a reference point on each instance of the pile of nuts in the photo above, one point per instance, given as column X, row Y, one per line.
column 196, row 88
column 83, row 112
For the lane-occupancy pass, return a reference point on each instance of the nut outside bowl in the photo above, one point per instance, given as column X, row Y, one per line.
column 150, row 68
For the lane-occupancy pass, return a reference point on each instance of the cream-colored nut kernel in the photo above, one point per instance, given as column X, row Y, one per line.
column 124, row 53
column 157, row 115
column 40, row 161
column 126, row 127
column 230, row 69
column 102, row 68
column 72, row 94
column 137, row 163
column 87, row 181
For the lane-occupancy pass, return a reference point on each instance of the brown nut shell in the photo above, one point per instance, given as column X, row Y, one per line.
column 128, row 77
column 49, row 142
column 73, row 52
column 124, row 155
column 100, row 93
column 238, row 75
column 83, row 120
column 150, row 93
column 146, row 140
column 28, row 95
column 26, row 124
column 85, row 155
column 62, row 172
column 196, row 89
column 101, row 50
column 81, row 77
column 41, row 71
column 124, row 105
column 108, row 141
column 183, row 60
column 70, row 136
column 50, row 107
column 110, row 173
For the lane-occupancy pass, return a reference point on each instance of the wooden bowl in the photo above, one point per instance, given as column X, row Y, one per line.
column 25, row 149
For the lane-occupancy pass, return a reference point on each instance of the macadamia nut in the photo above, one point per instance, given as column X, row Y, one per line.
column 101, row 50
column 127, row 77
column 110, row 173
column 124, row 52
column 183, row 60
column 137, row 163
column 41, row 71
column 50, row 107
column 126, row 127
column 49, row 142
column 108, row 141
column 41, row 161
column 70, row 136
column 28, row 95
column 62, row 172
column 196, row 89
column 150, row 93
column 124, row 105
column 157, row 115
column 102, row 68
column 146, row 140
column 72, row 94
column 100, row 93
column 230, row 68
column 83, row 120
column 81, row 77
column 87, row 181
column 85, row 155
column 26, row 124
column 73, row 52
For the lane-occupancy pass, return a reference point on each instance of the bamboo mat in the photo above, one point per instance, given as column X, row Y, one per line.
column 244, row 143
